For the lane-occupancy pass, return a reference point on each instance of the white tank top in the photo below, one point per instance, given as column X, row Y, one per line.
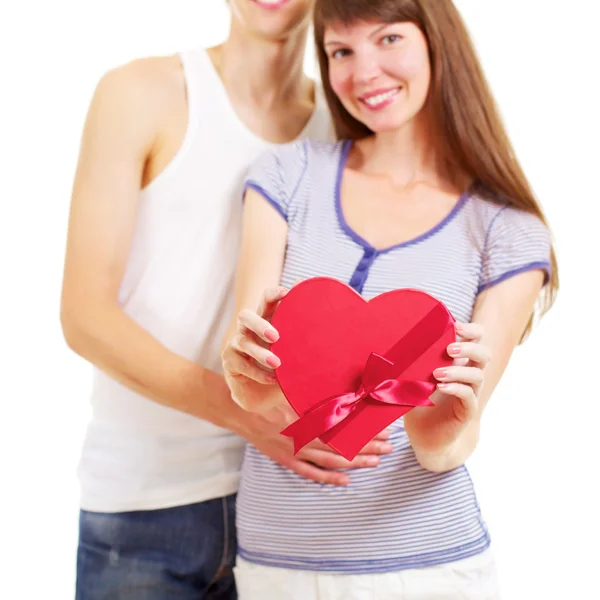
column 178, row 285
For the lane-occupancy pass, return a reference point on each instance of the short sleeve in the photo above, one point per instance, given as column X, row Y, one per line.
column 277, row 174
column 516, row 241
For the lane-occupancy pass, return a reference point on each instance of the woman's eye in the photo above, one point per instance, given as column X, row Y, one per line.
column 390, row 39
column 337, row 54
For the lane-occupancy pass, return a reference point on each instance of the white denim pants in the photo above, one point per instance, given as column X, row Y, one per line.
column 468, row 579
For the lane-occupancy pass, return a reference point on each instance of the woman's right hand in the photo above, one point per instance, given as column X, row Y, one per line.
column 248, row 363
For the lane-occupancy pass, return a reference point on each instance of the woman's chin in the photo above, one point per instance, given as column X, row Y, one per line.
column 384, row 127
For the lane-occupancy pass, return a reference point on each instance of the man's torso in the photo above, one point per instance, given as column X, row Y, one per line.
column 178, row 285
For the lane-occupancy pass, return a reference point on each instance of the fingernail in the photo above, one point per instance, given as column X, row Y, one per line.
column 282, row 291
column 454, row 349
column 442, row 385
column 344, row 481
column 386, row 448
column 271, row 335
column 440, row 373
column 273, row 361
column 372, row 461
column 271, row 379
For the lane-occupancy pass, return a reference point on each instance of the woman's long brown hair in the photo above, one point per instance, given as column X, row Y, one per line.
column 460, row 104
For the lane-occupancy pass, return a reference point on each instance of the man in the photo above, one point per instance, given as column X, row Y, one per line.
column 147, row 296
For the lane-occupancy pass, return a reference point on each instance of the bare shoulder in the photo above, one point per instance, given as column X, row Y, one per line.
column 141, row 91
column 162, row 76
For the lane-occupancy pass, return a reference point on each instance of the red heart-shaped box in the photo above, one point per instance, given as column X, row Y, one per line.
column 327, row 333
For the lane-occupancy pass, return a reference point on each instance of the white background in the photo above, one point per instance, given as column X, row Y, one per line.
column 537, row 463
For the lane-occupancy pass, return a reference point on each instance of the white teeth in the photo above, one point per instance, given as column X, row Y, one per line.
column 375, row 100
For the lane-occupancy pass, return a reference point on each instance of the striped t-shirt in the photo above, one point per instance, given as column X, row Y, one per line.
column 397, row 515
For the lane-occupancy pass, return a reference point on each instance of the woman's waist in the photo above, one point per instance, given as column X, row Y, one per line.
column 397, row 490
column 390, row 517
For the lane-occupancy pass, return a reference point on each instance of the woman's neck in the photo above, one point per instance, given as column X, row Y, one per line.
column 406, row 157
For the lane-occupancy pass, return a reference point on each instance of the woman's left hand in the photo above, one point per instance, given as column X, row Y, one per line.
column 435, row 429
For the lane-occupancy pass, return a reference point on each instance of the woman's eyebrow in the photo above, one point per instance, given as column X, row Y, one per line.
column 372, row 34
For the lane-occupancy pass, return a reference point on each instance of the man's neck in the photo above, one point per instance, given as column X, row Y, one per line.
column 263, row 73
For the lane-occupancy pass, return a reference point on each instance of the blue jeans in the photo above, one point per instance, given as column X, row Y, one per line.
column 186, row 552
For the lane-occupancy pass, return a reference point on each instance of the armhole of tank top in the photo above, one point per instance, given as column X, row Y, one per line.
column 200, row 78
column 190, row 72
column 188, row 66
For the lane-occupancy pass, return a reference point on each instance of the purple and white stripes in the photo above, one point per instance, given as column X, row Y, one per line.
column 398, row 515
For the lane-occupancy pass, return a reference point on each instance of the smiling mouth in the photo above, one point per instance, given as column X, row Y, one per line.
column 380, row 99
column 270, row 4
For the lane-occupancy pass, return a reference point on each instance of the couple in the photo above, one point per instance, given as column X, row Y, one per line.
column 185, row 167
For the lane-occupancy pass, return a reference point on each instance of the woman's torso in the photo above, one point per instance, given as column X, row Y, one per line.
column 397, row 515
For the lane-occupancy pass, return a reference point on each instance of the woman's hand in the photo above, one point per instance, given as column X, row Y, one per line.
column 248, row 366
column 248, row 363
column 436, row 430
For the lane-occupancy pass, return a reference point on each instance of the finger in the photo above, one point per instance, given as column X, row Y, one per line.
column 460, row 362
column 467, row 375
column 246, row 345
column 314, row 473
column 270, row 300
column 377, row 447
column 238, row 365
column 327, row 459
column 383, row 435
column 465, row 408
column 478, row 353
column 469, row 331
column 248, row 319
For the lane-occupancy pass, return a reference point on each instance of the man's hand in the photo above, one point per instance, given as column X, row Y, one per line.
column 316, row 461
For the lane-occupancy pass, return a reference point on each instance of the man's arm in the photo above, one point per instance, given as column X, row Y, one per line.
column 120, row 132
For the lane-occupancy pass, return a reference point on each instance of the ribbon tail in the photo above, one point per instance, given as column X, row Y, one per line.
column 320, row 418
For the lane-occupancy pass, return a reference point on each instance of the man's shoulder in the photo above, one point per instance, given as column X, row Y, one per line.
column 152, row 81
column 136, row 99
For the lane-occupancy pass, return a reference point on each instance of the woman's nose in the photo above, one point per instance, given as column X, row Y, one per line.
column 366, row 68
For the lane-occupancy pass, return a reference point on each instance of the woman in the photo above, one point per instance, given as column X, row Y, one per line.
column 422, row 191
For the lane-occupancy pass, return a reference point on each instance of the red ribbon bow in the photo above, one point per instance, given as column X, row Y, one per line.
column 381, row 382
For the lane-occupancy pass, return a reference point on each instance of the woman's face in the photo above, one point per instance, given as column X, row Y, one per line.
column 380, row 72
column 272, row 19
